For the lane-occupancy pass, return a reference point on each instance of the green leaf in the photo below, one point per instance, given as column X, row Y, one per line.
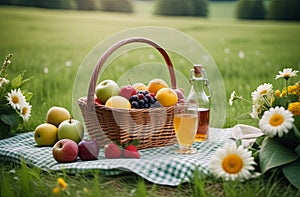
column 273, row 154
column 135, row 142
column 16, row 82
column 10, row 119
column 296, row 126
column 291, row 172
column 4, row 130
column 28, row 95
column 238, row 142
column 281, row 101
column 258, row 142
column 297, row 149
column 293, row 98
column 296, row 132
column 26, row 80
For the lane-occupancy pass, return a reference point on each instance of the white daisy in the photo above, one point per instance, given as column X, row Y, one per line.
column 264, row 90
column 3, row 81
column 256, row 111
column 232, row 162
column 25, row 111
column 233, row 97
column 276, row 121
column 16, row 99
column 287, row 73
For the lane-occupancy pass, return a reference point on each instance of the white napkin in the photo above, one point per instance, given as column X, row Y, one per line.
column 246, row 133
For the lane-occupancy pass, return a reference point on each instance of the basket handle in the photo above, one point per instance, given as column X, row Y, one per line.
column 114, row 47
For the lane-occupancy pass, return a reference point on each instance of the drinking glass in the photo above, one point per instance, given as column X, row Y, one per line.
column 185, row 124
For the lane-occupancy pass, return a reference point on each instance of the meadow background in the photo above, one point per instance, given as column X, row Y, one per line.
column 51, row 44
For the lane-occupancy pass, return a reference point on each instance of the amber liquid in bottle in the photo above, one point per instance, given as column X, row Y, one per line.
column 203, row 125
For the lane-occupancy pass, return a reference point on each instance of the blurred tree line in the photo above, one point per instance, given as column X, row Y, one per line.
column 268, row 9
column 104, row 5
column 245, row 9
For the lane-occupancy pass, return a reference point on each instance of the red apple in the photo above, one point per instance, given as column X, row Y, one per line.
column 181, row 101
column 179, row 93
column 88, row 150
column 96, row 100
column 65, row 150
column 127, row 91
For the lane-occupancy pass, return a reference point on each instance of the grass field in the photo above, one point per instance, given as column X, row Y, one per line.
column 58, row 41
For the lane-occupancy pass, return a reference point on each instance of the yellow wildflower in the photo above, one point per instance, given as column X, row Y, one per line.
column 294, row 108
column 293, row 89
column 283, row 93
column 277, row 93
column 85, row 190
column 56, row 190
column 62, row 184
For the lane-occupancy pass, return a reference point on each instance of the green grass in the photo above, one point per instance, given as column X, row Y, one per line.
column 41, row 38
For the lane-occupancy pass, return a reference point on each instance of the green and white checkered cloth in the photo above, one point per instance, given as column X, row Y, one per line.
column 158, row 165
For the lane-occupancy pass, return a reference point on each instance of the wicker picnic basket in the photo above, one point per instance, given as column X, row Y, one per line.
column 153, row 127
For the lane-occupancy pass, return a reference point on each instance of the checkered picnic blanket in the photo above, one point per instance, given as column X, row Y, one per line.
column 158, row 165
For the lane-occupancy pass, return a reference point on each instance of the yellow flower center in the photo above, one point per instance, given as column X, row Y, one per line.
column 263, row 92
column 232, row 164
column 276, row 119
column 15, row 99
column 24, row 110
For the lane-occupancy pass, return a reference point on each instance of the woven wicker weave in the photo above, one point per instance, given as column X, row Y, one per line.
column 153, row 127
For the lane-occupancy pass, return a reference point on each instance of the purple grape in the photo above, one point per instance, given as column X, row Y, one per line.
column 155, row 104
column 151, row 100
column 148, row 96
column 133, row 98
column 141, row 103
column 135, row 104
column 146, row 100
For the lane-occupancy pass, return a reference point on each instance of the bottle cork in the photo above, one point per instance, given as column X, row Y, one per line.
column 198, row 70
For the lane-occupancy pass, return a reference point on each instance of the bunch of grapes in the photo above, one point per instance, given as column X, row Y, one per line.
column 143, row 99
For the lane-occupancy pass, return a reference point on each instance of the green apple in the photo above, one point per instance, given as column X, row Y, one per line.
column 45, row 134
column 56, row 115
column 106, row 89
column 71, row 129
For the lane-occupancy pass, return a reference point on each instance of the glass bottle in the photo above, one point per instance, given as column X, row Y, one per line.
column 199, row 82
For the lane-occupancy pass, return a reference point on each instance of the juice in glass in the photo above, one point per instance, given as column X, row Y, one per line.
column 185, row 127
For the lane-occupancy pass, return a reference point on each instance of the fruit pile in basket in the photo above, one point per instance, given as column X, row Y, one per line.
column 138, row 96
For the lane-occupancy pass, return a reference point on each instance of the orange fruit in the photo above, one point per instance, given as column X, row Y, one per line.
column 118, row 102
column 156, row 84
column 166, row 97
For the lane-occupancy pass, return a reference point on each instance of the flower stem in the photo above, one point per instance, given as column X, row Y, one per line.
column 286, row 87
column 267, row 101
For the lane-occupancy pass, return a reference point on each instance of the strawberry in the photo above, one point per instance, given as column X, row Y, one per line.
column 131, row 152
column 112, row 151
